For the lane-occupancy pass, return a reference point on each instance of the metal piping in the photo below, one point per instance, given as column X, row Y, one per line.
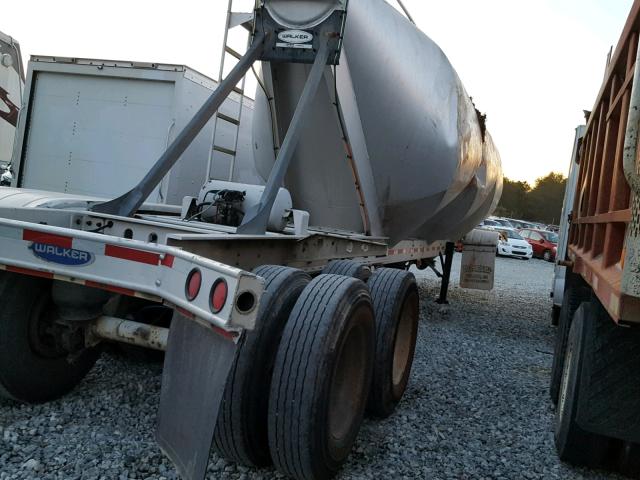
column 631, row 137
column 132, row 333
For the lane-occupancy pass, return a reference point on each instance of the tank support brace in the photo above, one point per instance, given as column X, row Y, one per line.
column 256, row 219
column 446, row 273
column 128, row 204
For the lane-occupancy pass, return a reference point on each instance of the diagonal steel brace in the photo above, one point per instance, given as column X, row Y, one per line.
column 128, row 204
column 257, row 218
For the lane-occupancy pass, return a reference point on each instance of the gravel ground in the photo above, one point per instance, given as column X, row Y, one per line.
column 476, row 407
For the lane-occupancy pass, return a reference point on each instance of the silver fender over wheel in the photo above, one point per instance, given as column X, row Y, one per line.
column 321, row 378
column 35, row 366
column 241, row 428
column 395, row 298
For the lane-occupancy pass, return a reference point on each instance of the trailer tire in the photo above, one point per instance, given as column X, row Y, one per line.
column 396, row 304
column 575, row 293
column 347, row 268
column 321, row 378
column 241, row 428
column 33, row 368
column 575, row 445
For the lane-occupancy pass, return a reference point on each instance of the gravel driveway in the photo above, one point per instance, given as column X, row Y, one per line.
column 477, row 405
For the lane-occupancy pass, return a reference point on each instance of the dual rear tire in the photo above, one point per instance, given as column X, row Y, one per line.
column 321, row 379
column 302, row 382
column 597, row 421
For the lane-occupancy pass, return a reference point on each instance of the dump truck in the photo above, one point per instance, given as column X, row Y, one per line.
column 595, row 378
column 278, row 286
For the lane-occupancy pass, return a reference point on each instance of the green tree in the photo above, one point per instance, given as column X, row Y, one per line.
column 513, row 202
column 545, row 199
column 542, row 203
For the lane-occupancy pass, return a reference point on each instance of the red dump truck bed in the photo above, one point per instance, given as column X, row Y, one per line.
column 595, row 377
column 604, row 232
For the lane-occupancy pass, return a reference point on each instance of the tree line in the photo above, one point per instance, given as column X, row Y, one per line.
column 540, row 203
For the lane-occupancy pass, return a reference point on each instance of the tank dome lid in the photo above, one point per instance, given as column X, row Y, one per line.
column 302, row 13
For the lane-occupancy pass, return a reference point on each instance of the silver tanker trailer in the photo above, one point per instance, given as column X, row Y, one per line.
column 286, row 309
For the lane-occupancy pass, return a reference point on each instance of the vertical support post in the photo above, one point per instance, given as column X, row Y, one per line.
column 446, row 273
column 257, row 218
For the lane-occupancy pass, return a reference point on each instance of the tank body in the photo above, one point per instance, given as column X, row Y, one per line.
column 424, row 166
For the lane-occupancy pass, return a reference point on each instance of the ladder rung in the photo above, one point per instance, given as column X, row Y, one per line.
column 232, row 52
column 229, row 119
column 226, row 151
column 238, row 90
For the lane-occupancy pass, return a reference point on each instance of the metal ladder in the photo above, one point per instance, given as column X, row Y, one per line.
column 234, row 19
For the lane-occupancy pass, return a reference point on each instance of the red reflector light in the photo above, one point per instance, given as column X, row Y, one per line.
column 194, row 282
column 218, row 295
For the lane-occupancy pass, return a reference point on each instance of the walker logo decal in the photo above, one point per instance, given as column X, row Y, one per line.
column 63, row 256
column 295, row 39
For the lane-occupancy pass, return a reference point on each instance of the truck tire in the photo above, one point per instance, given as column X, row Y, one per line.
column 395, row 299
column 575, row 293
column 629, row 460
column 347, row 268
column 241, row 428
column 34, row 367
column 575, row 445
column 321, row 378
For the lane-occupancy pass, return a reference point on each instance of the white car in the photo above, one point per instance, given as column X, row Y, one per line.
column 510, row 244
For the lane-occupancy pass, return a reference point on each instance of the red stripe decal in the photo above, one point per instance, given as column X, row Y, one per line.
column 28, row 271
column 185, row 313
column 47, row 238
column 223, row 333
column 167, row 261
column 132, row 254
column 110, row 288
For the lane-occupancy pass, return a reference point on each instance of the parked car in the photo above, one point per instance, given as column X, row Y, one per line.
column 511, row 244
column 543, row 242
column 489, row 224
column 502, row 221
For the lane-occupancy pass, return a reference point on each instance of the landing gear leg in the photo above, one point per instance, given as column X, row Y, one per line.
column 446, row 273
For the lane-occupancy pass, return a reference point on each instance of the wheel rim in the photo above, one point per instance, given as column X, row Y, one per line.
column 547, row 256
column 347, row 395
column 564, row 386
column 404, row 341
column 43, row 338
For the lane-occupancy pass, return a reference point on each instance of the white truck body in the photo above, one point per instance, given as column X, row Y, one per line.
column 95, row 127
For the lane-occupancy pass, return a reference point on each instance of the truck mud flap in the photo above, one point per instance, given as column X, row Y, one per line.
column 196, row 366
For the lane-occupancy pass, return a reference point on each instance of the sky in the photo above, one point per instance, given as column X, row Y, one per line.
column 532, row 66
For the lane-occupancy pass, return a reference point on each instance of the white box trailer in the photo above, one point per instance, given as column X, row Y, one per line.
column 95, row 127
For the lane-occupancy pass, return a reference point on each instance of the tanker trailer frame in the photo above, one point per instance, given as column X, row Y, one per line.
column 596, row 368
column 262, row 362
